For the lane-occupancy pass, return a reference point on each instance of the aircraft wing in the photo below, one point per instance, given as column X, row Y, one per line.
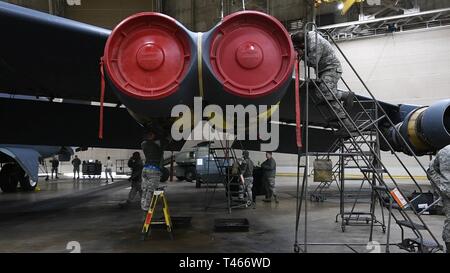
column 320, row 135
column 321, row 140
column 27, row 158
column 50, row 56
column 287, row 107
column 425, row 128
column 68, row 124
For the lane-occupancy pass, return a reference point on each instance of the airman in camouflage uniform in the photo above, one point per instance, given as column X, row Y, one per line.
column 269, row 168
column 322, row 58
column 439, row 175
column 151, row 173
column 247, row 172
column 136, row 166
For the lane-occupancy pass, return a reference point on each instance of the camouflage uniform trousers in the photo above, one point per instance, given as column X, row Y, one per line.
column 329, row 78
column 136, row 187
column 446, row 231
column 248, row 185
column 76, row 170
column 269, row 183
column 442, row 188
column 150, row 182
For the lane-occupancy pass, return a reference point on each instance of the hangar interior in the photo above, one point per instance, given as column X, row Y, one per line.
column 400, row 50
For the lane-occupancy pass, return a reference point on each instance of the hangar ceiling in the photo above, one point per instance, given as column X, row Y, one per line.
column 200, row 15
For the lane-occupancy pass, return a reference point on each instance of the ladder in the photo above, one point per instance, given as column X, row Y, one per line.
column 148, row 221
column 319, row 194
column 43, row 168
column 356, row 143
column 344, row 148
column 225, row 157
column 352, row 160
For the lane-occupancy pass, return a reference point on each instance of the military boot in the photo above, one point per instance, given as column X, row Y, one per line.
column 144, row 216
column 124, row 204
column 348, row 125
column 276, row 199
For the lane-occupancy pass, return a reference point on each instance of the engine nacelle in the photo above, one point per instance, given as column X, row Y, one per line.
column 152, row 63
column 248, row 59
column 426, row 129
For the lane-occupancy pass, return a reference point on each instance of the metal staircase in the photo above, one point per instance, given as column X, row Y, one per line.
column 358, row 214
column 224, row 158
column 349, row 159
column 323, row 190
column 362, row 147
column 319, row 194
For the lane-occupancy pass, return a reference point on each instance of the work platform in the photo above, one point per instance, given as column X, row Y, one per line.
column 358, row 147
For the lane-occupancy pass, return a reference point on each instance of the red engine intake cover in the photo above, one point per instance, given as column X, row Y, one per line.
column 147, row 55
column 251, row 54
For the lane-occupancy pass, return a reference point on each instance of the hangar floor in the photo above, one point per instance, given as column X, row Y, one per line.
column 88, row 212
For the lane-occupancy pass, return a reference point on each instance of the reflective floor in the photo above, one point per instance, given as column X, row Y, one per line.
column 87, row 212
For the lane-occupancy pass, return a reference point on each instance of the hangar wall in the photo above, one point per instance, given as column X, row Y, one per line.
column 405, row 67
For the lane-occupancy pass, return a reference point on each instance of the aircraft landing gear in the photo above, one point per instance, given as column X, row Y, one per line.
column 11, row 175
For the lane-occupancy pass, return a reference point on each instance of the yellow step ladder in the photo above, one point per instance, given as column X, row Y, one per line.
column 146, row 229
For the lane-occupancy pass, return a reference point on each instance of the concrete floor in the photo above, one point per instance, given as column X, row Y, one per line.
column 88, row 212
